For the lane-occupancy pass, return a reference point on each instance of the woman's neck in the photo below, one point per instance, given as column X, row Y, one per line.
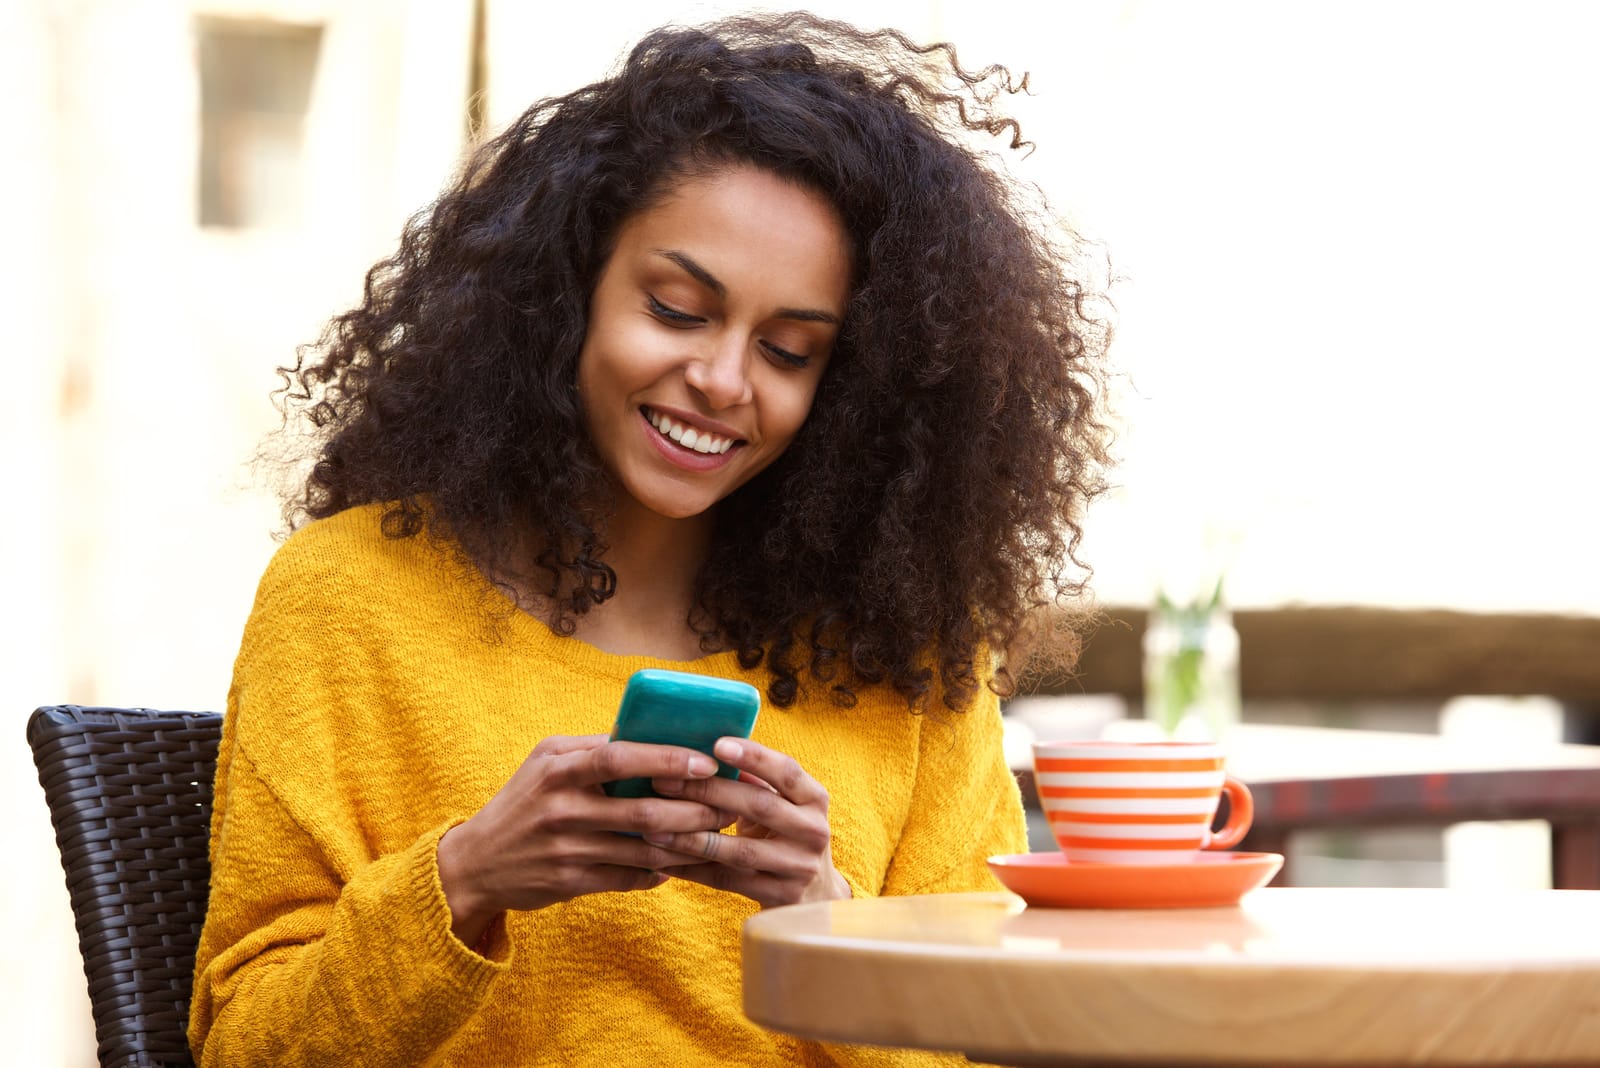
column 656, row 560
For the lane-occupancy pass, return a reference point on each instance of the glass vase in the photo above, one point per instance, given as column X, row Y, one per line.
column 1191, row 670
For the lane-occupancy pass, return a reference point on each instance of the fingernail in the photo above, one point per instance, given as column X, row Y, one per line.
column 699, row 764
column 658, row 839
column 728, row 749
column 669, row 786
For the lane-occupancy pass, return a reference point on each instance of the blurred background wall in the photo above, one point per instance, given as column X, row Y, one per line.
column 1352, row 245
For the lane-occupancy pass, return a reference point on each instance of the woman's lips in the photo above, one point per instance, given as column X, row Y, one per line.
column 690, row 433
column 680, row 455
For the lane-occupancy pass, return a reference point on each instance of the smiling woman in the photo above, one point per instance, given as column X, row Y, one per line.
column 683, row 374
column 739, row 362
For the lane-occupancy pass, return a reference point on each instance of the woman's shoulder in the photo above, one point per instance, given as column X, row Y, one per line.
column 339, row 602
column 353, row 540
column 343, row 538
column 347, row 559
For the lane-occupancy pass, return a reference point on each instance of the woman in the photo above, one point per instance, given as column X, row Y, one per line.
column 736, row 362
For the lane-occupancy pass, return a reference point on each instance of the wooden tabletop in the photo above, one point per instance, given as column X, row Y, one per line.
column 1302, row 976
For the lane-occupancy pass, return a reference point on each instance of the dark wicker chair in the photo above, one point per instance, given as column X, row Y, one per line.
column 130, row 796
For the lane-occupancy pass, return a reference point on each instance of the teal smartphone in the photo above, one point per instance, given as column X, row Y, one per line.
column 679, row 708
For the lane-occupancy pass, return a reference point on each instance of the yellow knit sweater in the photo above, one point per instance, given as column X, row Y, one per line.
column 375, row 704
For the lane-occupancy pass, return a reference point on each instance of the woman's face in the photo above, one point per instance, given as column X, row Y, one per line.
column 709, row 330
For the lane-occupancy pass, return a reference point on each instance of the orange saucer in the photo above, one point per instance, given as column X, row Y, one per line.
column 1049, row 880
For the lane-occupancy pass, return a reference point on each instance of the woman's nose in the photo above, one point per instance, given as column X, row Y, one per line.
column 721, row 373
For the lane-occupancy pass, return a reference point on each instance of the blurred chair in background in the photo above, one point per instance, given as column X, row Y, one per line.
column 1568, row 798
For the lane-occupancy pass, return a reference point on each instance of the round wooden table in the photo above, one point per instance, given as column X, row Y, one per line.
column 1301, row 976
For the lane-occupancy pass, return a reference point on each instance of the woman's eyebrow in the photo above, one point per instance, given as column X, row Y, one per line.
column 698, row 272
column 695, row 270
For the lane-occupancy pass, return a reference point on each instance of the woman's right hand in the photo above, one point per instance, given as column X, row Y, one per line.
column 550, row 834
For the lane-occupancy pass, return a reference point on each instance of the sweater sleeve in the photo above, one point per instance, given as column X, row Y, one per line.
column 297, row 967
column 327, row 937
column 965, row 805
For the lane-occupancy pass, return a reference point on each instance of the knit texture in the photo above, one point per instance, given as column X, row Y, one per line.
column 383, row 694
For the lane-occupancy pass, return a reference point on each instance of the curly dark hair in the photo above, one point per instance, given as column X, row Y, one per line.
column 935, row 493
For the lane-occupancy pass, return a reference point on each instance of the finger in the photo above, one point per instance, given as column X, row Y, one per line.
column 771, row 855
column 745, row 776
column 761, row 888
column 582, row 854
column 734, row 796
column 636, row 853
column 629, row 760
column 776, row 770
column 657, row 815
column 693, row 790
column 561, row 744
column 608, row 878
column 756, row 804
column 588, row 811
column 697, row 847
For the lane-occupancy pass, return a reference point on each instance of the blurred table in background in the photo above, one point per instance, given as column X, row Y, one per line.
column 1290, row 976
column 1305, row 778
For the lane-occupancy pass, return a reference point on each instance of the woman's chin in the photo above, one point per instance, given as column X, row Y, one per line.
column 675, row 506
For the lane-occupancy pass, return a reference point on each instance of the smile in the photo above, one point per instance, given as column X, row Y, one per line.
column 701, row 441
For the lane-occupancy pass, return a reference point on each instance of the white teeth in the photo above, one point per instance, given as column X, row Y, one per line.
column 700, row 441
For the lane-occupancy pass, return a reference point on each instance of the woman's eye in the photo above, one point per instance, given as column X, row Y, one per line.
column 672, row 315
column 784, row 356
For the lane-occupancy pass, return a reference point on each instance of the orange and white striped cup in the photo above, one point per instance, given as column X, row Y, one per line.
column 1138, row 802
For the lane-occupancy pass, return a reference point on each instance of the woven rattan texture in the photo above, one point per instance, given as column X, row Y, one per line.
column 129, row 792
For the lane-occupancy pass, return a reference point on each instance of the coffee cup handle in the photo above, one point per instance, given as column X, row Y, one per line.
column 1241, row 810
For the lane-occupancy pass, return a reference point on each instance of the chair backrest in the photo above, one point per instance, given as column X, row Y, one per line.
column 129, row 792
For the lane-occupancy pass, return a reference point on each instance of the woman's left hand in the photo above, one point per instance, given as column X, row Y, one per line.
column 781, row 853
